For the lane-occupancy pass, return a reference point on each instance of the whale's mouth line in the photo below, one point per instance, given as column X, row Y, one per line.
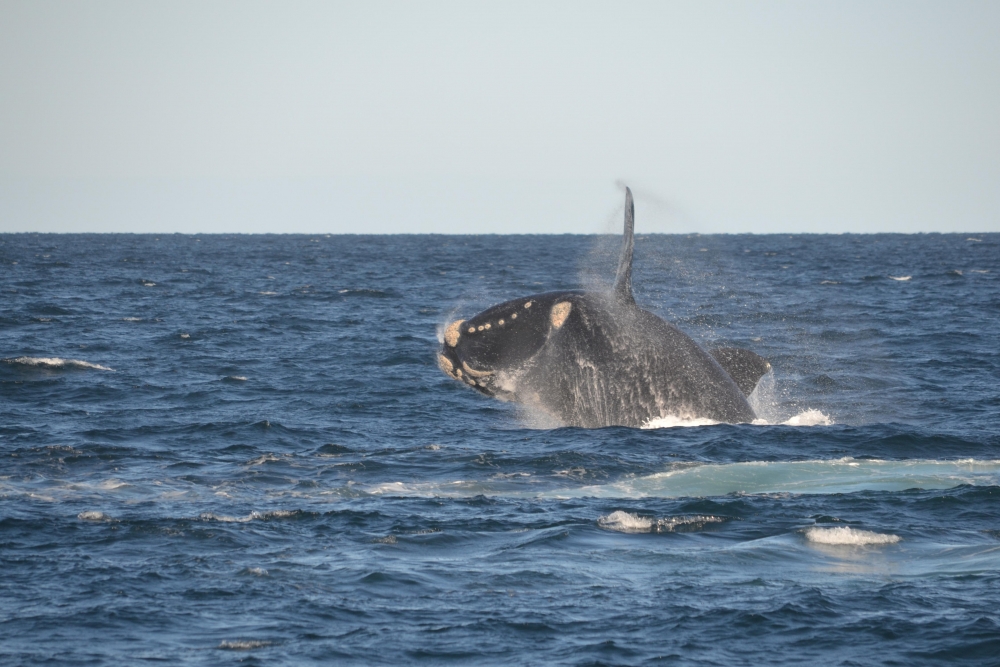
column 476, row 373
column 458, row 369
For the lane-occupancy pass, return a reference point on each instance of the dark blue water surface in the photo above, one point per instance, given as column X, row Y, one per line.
column 239, row 449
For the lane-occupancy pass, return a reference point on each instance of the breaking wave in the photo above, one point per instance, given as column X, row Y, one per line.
column 626, row 522
column 54, row 362
column 844, row 535
column 804, row 418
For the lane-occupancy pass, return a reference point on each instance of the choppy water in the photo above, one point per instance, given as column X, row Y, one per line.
column 221, row 449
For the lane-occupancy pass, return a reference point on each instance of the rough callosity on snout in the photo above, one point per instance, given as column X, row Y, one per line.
column 452, row 333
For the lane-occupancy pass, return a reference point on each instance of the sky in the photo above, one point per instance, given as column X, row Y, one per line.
column 499, row 117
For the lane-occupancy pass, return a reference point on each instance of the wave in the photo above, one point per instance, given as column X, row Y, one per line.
column 253, row 516
column 55, row 362
column 244, row 644
column 804, row 418
column 843, row 535
column 701, row 480
column 625, row 522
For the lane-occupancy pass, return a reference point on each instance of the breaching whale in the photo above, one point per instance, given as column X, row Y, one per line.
column 596, row 359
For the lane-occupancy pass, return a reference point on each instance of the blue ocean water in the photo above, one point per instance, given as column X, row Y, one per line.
column 239, row 449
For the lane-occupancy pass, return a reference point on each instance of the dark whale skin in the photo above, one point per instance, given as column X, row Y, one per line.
column 623, row 366
column 594, row 359
column 607, row 364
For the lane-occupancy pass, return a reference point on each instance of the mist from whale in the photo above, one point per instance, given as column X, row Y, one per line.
column 595, row 359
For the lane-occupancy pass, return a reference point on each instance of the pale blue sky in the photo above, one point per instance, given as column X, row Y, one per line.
column 499, row 117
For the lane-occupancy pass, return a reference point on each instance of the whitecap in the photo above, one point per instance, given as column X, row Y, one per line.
column 253, row 516
column 267, row 293
column 809, row 418
column 979, row 271
column 131, row 319
column 900, row 278
column 262, row 459
column 236, row 378
column 55, row 362
column 92, row 515
column 829, row 282
column 626, row 522
column 844, row 535
column 243, row 644
column 672, row 421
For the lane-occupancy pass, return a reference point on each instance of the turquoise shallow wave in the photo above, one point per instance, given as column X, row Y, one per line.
column 239, row 449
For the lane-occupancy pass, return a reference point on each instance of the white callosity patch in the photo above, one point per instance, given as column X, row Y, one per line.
column 473, row 372
column 844, row 535
column 452, row 333
column 445, row 364
column 559, row 313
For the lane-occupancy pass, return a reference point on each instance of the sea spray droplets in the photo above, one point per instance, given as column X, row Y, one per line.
column 843, row 535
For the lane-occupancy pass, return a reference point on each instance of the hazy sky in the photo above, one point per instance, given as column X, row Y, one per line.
column 499, row 117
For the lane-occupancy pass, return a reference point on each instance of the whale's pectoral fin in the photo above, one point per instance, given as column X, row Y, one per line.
column 623, row 279
column 745, row 367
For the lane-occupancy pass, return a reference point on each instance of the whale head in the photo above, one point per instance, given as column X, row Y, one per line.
column 484, row 350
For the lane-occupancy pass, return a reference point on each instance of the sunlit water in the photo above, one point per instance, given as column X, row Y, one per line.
column 223, row 450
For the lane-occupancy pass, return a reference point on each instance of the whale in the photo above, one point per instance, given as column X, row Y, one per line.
column 595, row 359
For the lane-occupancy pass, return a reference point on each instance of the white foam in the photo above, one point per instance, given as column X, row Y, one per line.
column 809, row 418
column 805, row 418
column 131, row 319
column 55, row 362
column 243, row 644
column 845, row 535
column 267, row 293
column 901, row 278
column 262, row 459
column 253, row 516
column 238, row 378
column 257, row 571
column 93, row 516
column 674, row 421
column 185, row 335
column 626, row 522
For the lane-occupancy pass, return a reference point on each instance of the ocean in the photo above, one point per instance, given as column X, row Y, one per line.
column 225, row 449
